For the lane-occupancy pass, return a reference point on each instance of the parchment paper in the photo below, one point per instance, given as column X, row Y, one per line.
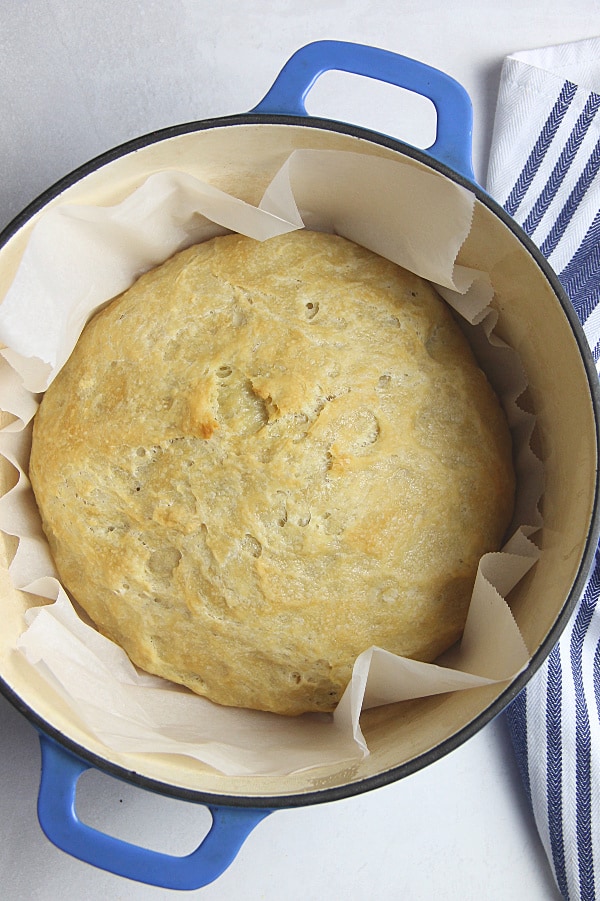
column 78, row 257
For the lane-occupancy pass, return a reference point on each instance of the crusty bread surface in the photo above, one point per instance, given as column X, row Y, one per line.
column 264, row 458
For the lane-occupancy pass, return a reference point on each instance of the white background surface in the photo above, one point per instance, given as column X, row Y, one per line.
column 77, row 78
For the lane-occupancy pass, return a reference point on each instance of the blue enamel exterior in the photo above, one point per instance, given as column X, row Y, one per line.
column 453, row 143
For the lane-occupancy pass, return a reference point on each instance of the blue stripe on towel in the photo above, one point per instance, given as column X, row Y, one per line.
column 517, row 719
column 570, row 208
column 586, row 301
column 536, row 157
column 597, row 679
column 554, row 767
column 584, row 265
column 563, row 164
column 583, row 748
column 581, row 277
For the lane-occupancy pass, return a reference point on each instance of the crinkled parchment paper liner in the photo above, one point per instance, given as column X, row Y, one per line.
column 79, row 257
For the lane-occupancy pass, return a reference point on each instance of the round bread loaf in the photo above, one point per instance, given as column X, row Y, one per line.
column 264, row 458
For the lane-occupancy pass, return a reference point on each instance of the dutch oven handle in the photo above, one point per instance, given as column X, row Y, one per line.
column 56, row 812
column 453, row 143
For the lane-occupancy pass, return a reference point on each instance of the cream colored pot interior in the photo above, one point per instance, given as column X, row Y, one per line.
column 241, row 159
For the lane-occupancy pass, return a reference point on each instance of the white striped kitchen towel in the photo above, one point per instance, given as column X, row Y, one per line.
column 545, row 170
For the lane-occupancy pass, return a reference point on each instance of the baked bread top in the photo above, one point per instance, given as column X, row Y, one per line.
column 264, row 458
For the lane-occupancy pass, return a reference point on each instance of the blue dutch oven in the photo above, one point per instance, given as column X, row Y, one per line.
column 240, row 154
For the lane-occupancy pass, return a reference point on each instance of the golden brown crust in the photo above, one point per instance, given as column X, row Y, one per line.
column 263, row 459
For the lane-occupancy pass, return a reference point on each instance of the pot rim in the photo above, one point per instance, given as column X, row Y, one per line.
column 514, row 688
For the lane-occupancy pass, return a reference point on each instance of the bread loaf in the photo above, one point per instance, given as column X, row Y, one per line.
column 264, row 458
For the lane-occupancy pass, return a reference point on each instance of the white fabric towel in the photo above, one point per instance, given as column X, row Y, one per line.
column 545, row 170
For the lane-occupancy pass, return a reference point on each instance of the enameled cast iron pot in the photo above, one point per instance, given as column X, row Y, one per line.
column 240, row 154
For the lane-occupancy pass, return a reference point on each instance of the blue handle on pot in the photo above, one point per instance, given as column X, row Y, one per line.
column 56, row 811
column 453, row 142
